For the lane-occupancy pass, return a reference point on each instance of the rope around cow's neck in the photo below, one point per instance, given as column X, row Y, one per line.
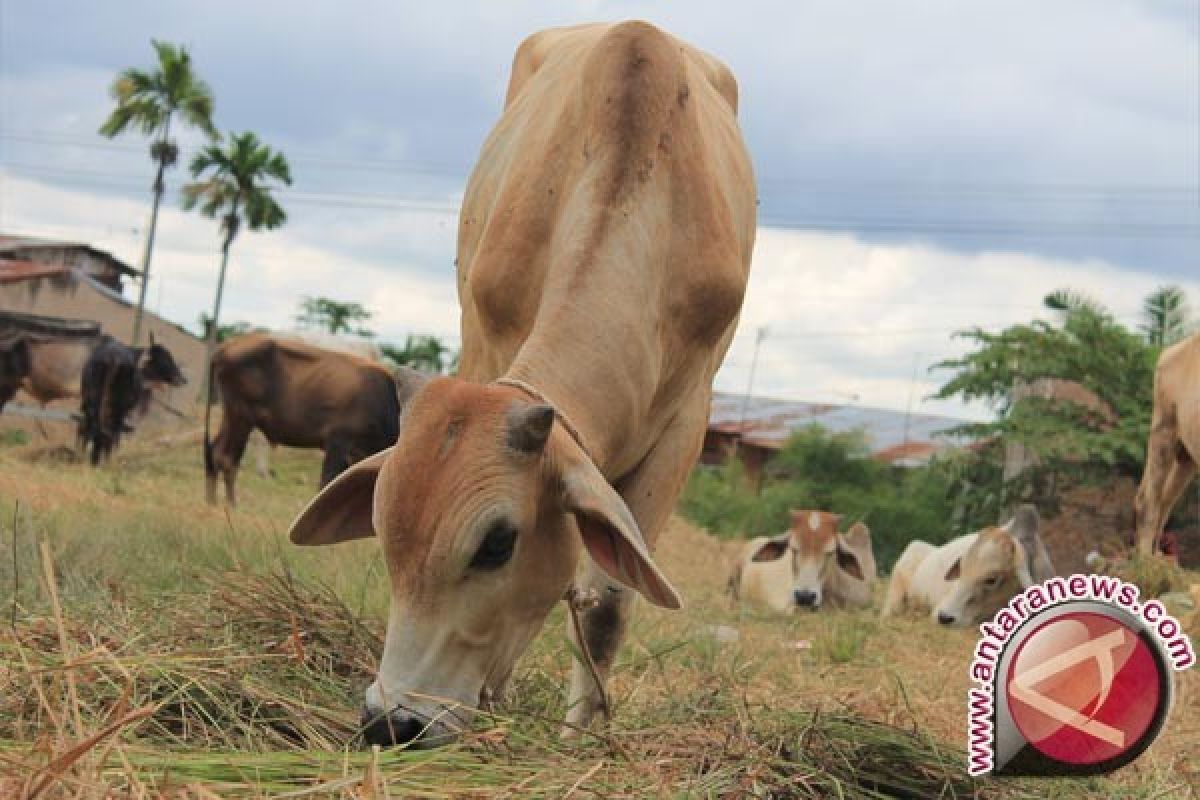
column 577, row 600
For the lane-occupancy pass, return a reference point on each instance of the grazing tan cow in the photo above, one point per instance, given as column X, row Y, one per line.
column 972, row 577
column 1173, row 449
column 808, row 566
column 604, row 246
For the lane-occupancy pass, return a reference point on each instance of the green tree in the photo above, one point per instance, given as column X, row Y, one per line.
column 223, row 331
column 329, row 315
column 1167, row 318
column 421, row 352
column 148, row 101
column 1087, row 346
column 235, row 184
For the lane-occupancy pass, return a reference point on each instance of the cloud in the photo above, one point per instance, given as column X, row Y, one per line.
column 1064, row 129
column 269, row 272
column 847, row 320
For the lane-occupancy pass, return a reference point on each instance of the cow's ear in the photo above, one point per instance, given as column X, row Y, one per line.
column 1024, row 529
column 408, row 382
column 610, row 533
column 772, row 550
column 1021, row 564
column 343, row 509
column 847, row 562
column 853, row 548
column 955, row 571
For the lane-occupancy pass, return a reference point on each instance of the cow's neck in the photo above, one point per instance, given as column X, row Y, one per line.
column 591, row 404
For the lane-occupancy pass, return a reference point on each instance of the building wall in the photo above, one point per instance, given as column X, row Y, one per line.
column 70, row 296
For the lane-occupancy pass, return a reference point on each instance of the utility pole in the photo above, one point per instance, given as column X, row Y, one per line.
column 912, row 385
column 759, row 335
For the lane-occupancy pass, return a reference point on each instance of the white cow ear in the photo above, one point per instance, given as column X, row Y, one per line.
column 342, row 510
column 1021, row 564
column 610, row 533
column 772, row 549
column 955, row 571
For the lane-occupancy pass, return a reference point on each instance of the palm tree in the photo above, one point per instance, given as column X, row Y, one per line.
column 147, row 101
column 236, row 188
column 1073, row 301
column 1166, row 315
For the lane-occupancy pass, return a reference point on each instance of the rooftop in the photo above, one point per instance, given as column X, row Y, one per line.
column 900, row 438
column 12, row 242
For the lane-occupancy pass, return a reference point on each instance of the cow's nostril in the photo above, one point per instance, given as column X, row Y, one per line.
column 387, row 730
column 805, row 598
column 944, row 618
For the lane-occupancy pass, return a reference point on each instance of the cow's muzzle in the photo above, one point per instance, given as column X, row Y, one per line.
column 400, row 727
column 806, row 599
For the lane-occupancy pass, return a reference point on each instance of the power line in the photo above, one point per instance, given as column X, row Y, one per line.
column 1023, row 188
column 368, row 201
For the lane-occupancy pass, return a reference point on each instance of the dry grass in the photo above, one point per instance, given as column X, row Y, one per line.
column 164, row 649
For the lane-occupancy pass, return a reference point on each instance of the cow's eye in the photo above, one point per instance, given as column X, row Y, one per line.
column 496, row 548
column 992, row 582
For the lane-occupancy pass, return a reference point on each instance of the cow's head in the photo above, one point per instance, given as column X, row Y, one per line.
column 816, row 549
column 158, row 366
column 482, row 508
column 998, row 565
column 15, row 364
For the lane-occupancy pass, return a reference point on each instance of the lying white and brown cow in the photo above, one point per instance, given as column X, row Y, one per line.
column 972, row 577
column 603, row 251
column 1173, row 449
column 809, row 566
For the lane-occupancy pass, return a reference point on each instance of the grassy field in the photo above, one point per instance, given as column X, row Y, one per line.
column 157, row 647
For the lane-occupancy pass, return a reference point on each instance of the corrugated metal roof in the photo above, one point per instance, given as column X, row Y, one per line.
column 893, row 436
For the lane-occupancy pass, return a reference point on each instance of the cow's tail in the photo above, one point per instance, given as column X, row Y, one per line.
column 210, row 464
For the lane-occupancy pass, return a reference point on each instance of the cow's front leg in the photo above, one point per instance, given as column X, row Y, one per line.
column 604, row 626
column 650, row 491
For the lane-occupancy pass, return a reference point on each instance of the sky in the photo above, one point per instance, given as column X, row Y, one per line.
column 923, row 167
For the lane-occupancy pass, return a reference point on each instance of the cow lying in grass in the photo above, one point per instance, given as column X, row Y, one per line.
column 972, row 577
column 808, row 566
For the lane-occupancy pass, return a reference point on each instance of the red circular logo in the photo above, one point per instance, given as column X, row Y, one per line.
column 1084, row 688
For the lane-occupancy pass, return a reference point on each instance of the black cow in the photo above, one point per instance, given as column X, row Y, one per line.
column 15, row 364
column 113, row 384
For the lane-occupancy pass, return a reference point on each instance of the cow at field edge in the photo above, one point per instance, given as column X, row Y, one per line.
column 14, row 367
column 972, row 577
column 603, row 250
column 1173, row 449
column 113, row 384
column 298, row 395
column 363, row 348
column 808, row 566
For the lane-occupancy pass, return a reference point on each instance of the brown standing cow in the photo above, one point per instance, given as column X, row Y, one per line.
column 1173, row 449
column 298, row 395
column 604, row 246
